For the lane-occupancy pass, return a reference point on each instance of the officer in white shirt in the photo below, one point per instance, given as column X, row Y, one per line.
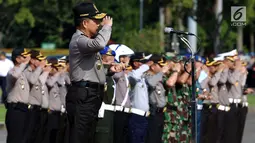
column 138, row 122
column 5, row 66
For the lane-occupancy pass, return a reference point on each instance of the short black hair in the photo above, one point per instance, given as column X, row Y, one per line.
column 15, row 53
column 77, row 22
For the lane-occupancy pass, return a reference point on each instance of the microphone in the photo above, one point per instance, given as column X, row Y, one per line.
column 171, row 30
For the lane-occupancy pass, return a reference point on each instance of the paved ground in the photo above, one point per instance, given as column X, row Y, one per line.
column 2, row 136
column 249, row 133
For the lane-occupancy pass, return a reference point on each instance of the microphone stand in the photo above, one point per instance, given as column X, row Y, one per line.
column 193, row 100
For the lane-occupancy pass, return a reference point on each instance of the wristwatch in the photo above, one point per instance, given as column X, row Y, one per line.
column 175, row 71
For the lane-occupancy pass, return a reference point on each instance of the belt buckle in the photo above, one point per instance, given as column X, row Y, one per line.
column 221, row 107
column 227, row 108
column 164, row 109
column 29, row 106
column 147, row 114
column 130, row 110
column 126, row 111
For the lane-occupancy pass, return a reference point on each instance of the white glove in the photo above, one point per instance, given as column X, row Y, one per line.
column 63, row 109
column 101, row 111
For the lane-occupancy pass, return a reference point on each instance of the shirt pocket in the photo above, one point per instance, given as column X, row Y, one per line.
column 22, row 83
column 140, row 85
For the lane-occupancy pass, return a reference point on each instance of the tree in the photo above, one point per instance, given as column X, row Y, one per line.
column 146, row 40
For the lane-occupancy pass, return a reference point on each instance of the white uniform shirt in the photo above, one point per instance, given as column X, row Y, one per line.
column 5, row 66
column 139, row 91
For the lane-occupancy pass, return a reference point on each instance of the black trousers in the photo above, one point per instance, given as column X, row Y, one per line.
column 52, row 128
column 155, row 128
column 15, row 124
column 121, row 120
column 242, row 119
column 209, row 124
column 204, row 122
column 104, row 129
column 32, row 125
column 3, row 87
column 42, row 126
column 232, row 122
column 222, row 128
column 82, row 106
column 62, row 136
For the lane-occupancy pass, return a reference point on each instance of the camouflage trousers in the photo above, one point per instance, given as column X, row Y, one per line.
column 177, row 129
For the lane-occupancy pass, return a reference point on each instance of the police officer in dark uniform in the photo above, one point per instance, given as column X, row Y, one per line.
column 87, row 73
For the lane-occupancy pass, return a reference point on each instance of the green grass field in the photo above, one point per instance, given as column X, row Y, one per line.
column 251, row 100
column 2, row 110
column 2, row 113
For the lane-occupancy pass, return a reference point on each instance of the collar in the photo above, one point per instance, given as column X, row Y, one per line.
column 79, row 32
column 29, row 68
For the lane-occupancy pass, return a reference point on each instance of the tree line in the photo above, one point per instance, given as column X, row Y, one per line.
column 28, row 23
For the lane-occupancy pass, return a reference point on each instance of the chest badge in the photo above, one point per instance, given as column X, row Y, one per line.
column 98, row 66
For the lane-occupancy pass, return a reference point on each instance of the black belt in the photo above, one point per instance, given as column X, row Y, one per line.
column 19, row 105
column 44, row 110
column 207, row 106
column 88, row 84
column 54, row 112
column 210, row 106
column 169, row 107
column 34, row 107
column 160, row 110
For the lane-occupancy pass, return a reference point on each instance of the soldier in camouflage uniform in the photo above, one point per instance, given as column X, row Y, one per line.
column 172, row 117
column 184, row 94
column 185, row 113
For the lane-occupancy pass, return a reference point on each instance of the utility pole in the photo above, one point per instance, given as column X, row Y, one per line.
column 141, row 14
column 218, row 14
column 192, row 26
column 162, row 25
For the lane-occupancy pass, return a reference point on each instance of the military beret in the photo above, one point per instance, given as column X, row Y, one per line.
column 107, row 51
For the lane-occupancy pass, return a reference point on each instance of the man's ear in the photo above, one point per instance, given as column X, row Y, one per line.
column 18, row 60
column 136, row 64
column 85, row 23
column 152, row 67
column 103, row 57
